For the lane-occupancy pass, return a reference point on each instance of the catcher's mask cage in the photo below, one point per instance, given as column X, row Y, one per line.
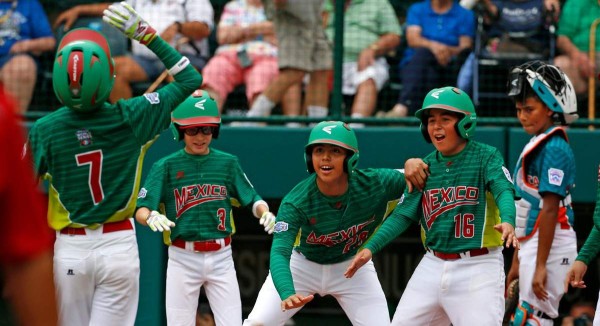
column 449, row 99
column 550, row 84
column 198, row 110
column 336, row 133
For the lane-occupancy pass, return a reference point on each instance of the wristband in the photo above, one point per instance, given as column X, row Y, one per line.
column 255, row 207
column 179, row 66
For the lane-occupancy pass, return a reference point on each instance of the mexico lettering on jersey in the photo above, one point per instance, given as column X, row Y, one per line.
column 190, row 196
column 436, row 202
column 353, row 236
column 329, row 230
column 198, row 192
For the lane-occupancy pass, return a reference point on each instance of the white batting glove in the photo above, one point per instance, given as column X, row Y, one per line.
column 268, row 221
column 158, row 222
column 124, row 18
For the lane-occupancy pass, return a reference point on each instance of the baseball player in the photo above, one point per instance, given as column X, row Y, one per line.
column 196, row 185
column 320, row 225
column 460, row 280
column 91, row 152
column 590, row 249
column 544, row 177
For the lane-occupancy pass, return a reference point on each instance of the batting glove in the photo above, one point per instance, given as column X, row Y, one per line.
column 158, row 222
column 268, row 221
column 124, row 18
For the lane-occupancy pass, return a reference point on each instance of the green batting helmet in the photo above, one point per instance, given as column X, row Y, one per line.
column 84, row 71
column 198, row 110
column 334, row 133
column 450, row 99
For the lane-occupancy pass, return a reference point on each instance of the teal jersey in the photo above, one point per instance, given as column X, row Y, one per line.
column 329, row 230
column 547, row 164
column 196, row 191
column 591, row 247
column 464, row 197
column 93, row 161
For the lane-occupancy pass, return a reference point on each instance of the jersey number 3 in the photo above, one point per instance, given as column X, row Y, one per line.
column 94, row 160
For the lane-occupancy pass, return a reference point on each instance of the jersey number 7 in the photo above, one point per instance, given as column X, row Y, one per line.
column 94, row 160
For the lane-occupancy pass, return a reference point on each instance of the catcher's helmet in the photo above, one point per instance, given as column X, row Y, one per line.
column 550, row 84
column 199, row 109
column 83, row 74
column 450, row 99
column 334, row 133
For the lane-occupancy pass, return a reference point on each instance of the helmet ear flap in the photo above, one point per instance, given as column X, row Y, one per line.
column 308, row 159
column 350, row 162
column 216, row 130
column 425, row 133
column 465, row 127
column 177, row 134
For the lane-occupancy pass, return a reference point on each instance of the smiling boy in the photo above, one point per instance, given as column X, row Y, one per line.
column 196, row 185
column 321, row 224
column 460, row 280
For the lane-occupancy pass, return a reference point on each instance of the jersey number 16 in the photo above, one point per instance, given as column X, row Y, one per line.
column 463, row 225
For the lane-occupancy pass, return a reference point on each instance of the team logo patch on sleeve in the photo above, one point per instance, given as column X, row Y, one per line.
column 555, row 176
column 152, row 98
column 142, row 193
column 280, row 227
column 507, row 174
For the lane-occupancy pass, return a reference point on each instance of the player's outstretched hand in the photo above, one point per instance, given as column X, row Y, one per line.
column 508, row 234
column 158, row 222
column 575, row 275
column 268, row 221
column 361, row 258
column 415, row 172
column 124, row 18
column 295, row 301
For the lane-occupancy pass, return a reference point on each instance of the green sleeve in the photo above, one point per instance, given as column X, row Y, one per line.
column 393, row 182
column 37, row 148
column 591, row 247
column 388, row 20
column 150, row 196
column 150, row 114
column 499, row 182
column 398, row 222
column 506, row 205
column 288, row 224
column 243, row 189
column 568, row 26
column 597, row 208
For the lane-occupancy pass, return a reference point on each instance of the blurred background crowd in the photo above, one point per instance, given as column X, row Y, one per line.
column 393, row 51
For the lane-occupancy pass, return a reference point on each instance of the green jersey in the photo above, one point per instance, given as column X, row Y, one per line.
column 459, row 206
column 93, row 160
column 329, row 230
column 196, row 191
column 591, row 247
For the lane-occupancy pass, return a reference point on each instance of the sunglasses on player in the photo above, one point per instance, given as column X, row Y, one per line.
column 205, row 130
